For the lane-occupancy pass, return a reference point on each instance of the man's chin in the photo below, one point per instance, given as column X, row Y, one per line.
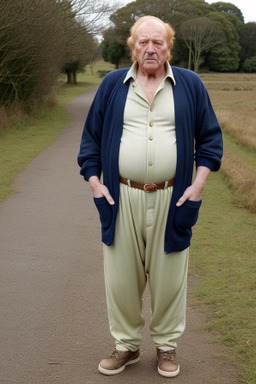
column 150, row 64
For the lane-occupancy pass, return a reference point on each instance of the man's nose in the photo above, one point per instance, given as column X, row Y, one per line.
column 150, row 47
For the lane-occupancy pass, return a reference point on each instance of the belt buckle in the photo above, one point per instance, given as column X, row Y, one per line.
column 149, row 188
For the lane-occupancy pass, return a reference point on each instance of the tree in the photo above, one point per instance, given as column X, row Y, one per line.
column 221, row 55
column 38, row 38
column 200, row 8
column 78, row 53
column 250, row 65
column 224, row 56
column 83, row 21
column 229, row 8
column 91, row 13
column 247, row 37
column 200, row 35
column 124, row 18
column 30, row 53
column 112, row 51
column 79, row 45
column 115, row 52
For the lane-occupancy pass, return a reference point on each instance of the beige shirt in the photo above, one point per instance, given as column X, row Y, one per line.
column 148, row 143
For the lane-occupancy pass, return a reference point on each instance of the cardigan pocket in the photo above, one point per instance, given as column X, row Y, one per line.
column 187, row 214
column 105, row 211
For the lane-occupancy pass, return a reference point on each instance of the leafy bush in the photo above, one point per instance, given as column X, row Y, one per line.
column 250, row 65
column 102, row 73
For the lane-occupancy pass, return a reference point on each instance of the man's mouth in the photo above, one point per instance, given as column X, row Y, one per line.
column 150, row 59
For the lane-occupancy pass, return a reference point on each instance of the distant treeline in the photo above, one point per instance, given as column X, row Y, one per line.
column 40, row 39
column 207, row 36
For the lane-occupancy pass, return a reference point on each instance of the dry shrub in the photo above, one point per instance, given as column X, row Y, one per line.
column 11, row 115
column 241, row 177
column 16, row 113
column 4, row 124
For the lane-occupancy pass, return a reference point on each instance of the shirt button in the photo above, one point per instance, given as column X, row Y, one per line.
column 151, row 109
column 150, row 163
column 151, row 124
column 150, row 138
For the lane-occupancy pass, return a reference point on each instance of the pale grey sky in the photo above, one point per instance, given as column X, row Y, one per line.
column 248, row 7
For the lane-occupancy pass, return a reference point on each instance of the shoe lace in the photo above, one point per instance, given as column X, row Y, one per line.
column 168, row 355
column 116, row 354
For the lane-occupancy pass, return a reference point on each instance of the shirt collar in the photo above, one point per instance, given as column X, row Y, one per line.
column 132, row 73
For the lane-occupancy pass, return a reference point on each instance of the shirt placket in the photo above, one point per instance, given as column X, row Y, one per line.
column 150, row 197
column 150, row 144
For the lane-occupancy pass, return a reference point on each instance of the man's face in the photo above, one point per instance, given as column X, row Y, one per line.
column 151, row 50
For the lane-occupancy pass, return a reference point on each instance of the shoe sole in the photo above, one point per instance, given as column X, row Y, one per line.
column 119, row 370
column 169, row 374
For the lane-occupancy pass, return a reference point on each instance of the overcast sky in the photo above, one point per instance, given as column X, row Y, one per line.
column 248, row 7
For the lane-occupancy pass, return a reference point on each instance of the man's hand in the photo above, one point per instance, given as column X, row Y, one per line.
column 195, row 191
column 99, row 189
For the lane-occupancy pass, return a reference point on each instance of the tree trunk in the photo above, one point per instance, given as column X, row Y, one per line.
column 189, row 56
column 74, row 77
column 69, row 77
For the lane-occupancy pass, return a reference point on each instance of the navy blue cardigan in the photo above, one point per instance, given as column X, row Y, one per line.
column 198, row 137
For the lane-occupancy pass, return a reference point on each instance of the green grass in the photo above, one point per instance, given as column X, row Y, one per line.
column 23, row 142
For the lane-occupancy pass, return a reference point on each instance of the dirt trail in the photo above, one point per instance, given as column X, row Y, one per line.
column 53, row 320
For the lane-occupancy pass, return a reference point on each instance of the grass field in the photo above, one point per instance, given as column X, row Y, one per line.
column 233, row 97
column 223, row 255
column 223, row 252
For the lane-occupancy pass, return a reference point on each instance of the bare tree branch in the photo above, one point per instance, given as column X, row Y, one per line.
column 200, row 35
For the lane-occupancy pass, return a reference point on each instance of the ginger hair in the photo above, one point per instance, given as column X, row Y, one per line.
column 133, row 31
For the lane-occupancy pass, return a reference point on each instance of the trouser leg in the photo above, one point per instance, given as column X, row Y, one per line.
column 125, row 277
column 167, row 277
column 168, row 288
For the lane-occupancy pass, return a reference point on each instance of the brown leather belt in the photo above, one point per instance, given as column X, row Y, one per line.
column 147, row 187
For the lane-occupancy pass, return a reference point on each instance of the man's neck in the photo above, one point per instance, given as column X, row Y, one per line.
column 151, row 76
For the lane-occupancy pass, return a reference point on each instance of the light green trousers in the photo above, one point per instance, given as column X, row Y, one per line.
column 137, row 256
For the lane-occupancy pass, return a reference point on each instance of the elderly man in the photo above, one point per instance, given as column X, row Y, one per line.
column 146, row 127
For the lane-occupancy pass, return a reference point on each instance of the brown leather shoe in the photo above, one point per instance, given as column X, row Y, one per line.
column 117, row 361
column 167, row 363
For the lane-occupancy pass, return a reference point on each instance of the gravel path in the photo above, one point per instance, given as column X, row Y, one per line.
column 53, row 320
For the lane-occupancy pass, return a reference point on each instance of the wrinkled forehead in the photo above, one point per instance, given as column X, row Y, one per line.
column 151, row 29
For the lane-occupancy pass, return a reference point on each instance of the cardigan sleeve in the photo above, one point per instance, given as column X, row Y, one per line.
column 208, row 135
column 89, row 158
column 92, row 145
